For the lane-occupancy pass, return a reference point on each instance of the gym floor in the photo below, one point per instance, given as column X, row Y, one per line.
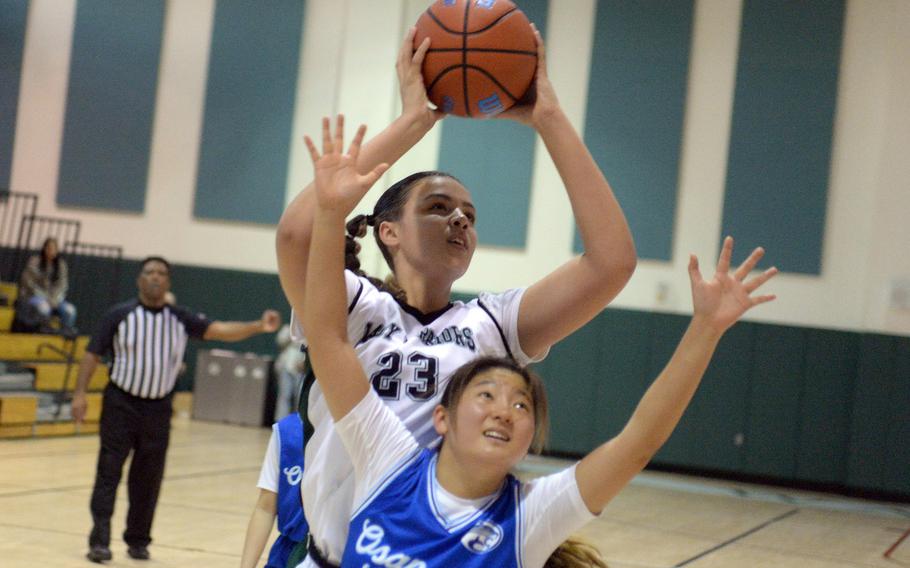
column 659, row 521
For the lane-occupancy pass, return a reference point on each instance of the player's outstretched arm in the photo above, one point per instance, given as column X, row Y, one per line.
column 718, row 303
column 338, row 189
column 574, row 293
column 293, row 238
column 240, row 330
column 259, row 527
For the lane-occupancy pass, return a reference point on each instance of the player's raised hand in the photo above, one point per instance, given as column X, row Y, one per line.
column 338, row 185
column 540, row 102
column 723, row 299
column 413, row 92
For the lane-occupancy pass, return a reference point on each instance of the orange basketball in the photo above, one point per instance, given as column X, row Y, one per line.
column 482, row 55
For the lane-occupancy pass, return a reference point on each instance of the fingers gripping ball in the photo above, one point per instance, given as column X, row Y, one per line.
column 482, row 55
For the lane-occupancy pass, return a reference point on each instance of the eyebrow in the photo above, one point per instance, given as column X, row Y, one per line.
column 448, row 198
column 523, row 392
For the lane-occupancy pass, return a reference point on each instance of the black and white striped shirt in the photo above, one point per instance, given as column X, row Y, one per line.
column 147, row 345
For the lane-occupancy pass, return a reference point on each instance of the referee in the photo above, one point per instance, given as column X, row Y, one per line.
column 147, row 338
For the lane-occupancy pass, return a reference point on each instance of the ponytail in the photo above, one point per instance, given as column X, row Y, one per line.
column 355, row 228
column 575, row 553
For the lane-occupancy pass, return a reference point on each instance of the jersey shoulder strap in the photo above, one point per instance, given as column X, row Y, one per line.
column 502, row 335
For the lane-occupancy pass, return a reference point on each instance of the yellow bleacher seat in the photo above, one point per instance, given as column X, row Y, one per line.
column 18, row 408
column 27, row 347
column 18, row 412
column 6, row 318
column 87, row 428
column 55, row 428
column 16, row 431
column 50, row 377
column 10, row 290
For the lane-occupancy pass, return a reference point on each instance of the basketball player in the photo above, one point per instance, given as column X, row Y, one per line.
column 411, row 343
column 458, row 505
column 279, row 496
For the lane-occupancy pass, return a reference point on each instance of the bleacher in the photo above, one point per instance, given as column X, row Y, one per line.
column 37, row 378
column 38, row 370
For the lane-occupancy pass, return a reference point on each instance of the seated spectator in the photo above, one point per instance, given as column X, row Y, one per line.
column 42, row 290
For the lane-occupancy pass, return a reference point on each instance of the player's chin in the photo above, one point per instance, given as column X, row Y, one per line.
column 457, row 272
column 495, row 459
column 505, row 453
column 458, row 264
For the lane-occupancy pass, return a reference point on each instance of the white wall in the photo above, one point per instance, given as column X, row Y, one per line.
column 888, row 185
column 348, row 65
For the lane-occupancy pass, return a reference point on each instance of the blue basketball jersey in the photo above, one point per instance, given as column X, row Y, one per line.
column 291, row 522
column 409, row 358
column 399, row 525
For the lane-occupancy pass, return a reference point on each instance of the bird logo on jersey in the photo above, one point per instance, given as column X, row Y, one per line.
column 483, row 537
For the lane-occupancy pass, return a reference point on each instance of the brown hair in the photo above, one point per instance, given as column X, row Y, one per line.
column 388, row 208
column 463, row 376
column 575, row 553
column 53, row 264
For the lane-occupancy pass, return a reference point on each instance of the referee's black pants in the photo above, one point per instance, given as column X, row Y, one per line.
column 137, row 425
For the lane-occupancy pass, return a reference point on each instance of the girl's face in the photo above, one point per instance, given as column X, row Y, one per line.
column 50, row 250
column 494, row 419
column 436, row 229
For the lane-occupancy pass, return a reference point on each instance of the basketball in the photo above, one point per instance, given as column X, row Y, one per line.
column 482, row 55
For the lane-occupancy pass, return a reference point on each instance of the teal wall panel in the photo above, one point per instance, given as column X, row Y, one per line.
column 871, row 418
column 249, row 111
column 13, row 15
column 91, row 301
column 897, row 444
column 634, row 115
column 705, row 436
column 228, row 295
column 782, row 128
column 622, row 377
column 818, row 406
column 570, row 373
column 110, row 104
column 772, row 434
column 96, row 283
column 494, row 159
column 665, row 332
column 721, row 403
column 825, row 405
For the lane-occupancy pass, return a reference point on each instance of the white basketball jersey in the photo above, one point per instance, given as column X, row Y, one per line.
column 408, row 358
